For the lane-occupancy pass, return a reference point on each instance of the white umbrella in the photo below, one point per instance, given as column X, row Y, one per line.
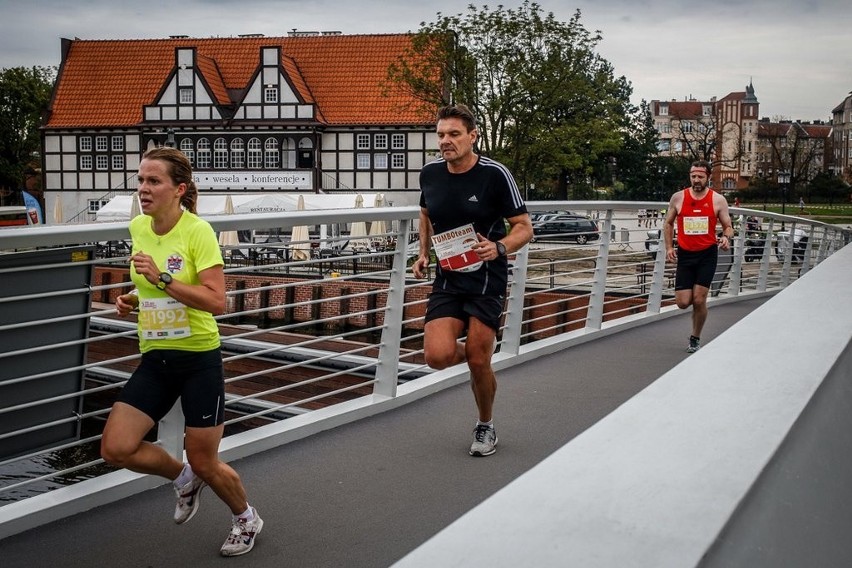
column 299, row 240
column 358, row 231
column 58, row 213
column 378, row 228
column 229, row 239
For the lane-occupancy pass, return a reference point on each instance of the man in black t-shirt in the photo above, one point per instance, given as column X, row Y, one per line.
column 462, row 188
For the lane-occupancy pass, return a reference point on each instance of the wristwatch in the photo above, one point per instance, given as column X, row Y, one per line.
column 165, row 280
column 501, row 248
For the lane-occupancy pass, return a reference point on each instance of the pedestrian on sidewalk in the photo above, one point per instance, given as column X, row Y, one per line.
column 696, row 210
column 459, row 189
column 178, row 270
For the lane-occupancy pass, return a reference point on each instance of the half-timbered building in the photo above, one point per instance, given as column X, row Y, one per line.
column 310, row 112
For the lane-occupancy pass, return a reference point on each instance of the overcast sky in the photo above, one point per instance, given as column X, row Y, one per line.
column 798, row 53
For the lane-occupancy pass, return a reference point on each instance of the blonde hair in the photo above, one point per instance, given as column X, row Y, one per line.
column 180, row 171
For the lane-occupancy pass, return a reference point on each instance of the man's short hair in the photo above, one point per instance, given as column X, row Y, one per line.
column 459, row 111
column 703, row 164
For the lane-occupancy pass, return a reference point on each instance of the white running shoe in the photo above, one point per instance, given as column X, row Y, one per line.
column 243, row 533
column 484, row 441
column 188, row 499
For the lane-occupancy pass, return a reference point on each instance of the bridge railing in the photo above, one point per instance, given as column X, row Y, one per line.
column 324, row 326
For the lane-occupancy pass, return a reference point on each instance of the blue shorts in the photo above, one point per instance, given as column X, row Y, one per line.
column 696, row 268
column 164, row 375
column 487, row 309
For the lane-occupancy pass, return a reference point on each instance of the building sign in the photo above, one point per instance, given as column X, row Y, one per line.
column 282, row 179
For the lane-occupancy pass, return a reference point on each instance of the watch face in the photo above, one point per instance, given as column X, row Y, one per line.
column 165, row 278
column 501, row 249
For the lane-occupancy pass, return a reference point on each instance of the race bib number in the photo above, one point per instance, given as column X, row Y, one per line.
column 454, row 249
column 163, row 318
column 696, row 225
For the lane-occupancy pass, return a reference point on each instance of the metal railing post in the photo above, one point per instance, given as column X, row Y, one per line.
column 511, row 342
column 594, row 316
column 387, row 368
column 763, row 275
column 655, row 295
column 170, row 431
column 738, row 254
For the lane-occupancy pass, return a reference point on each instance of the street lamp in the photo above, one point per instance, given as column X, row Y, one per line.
column 784, row 180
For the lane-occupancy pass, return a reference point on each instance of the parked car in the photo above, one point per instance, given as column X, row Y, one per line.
column 578, row 229
column 549, row 215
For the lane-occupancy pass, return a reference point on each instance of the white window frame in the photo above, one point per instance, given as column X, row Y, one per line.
column 271, row 154
column 94, row 205
column 188, row 149
column 102, row 162
column 380, row 141
column 398, row 161
column 398, row 141
column 380, row 161
column 118, row 162
column 85, row 143
column 86, row 162
column 220, row 154
column 362, row 161
column 101, row 144
column 202, row 153
column 238, row 153
column 117, row 143
column 270, row 94
column 255, row 154
column 362, row 141
column 186, row 96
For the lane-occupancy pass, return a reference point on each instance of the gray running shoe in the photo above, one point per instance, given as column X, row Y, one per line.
column 188, row 499
column 243, row 533
column 484, row 441
column 694, row 345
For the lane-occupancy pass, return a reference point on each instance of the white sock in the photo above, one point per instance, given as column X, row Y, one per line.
column 490, row 423
column 185, row 476
column 247, row 515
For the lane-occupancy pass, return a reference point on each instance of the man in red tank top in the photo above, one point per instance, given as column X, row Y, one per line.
column 696, row 210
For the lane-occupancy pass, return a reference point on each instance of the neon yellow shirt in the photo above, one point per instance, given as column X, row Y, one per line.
column 189, row 248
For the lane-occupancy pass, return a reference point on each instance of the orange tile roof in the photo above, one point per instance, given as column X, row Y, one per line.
column 210, row 71
column 106, row 83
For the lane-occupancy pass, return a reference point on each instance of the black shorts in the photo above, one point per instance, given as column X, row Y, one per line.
column 695, row 268
column 166, row 374
column 487, row 309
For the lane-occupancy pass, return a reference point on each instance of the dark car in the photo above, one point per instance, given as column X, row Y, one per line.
column 577, row 229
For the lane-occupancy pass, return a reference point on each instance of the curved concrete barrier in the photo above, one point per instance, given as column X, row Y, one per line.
column 740, row 456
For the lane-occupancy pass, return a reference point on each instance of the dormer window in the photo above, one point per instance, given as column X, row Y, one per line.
column 270, row 94
column 186, row 97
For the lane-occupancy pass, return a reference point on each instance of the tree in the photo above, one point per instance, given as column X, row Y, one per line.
column 24, row 98
column 638, row 164
column 546, row 104
column 789, row 146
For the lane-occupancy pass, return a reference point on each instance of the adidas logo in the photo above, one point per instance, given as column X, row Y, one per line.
column 474, row 199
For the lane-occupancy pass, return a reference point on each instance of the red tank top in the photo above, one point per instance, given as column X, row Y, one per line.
column 696, row 222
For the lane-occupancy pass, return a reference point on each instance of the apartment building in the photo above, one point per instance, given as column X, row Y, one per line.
column 723, row 132
column 799, row 149
column 842, row 139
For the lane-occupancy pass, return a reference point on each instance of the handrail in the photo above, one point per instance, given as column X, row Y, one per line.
column 343, row 327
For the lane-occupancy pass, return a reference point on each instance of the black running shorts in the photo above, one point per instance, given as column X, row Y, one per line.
column 164, row 375
column 487, row 309
column 695, row 268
